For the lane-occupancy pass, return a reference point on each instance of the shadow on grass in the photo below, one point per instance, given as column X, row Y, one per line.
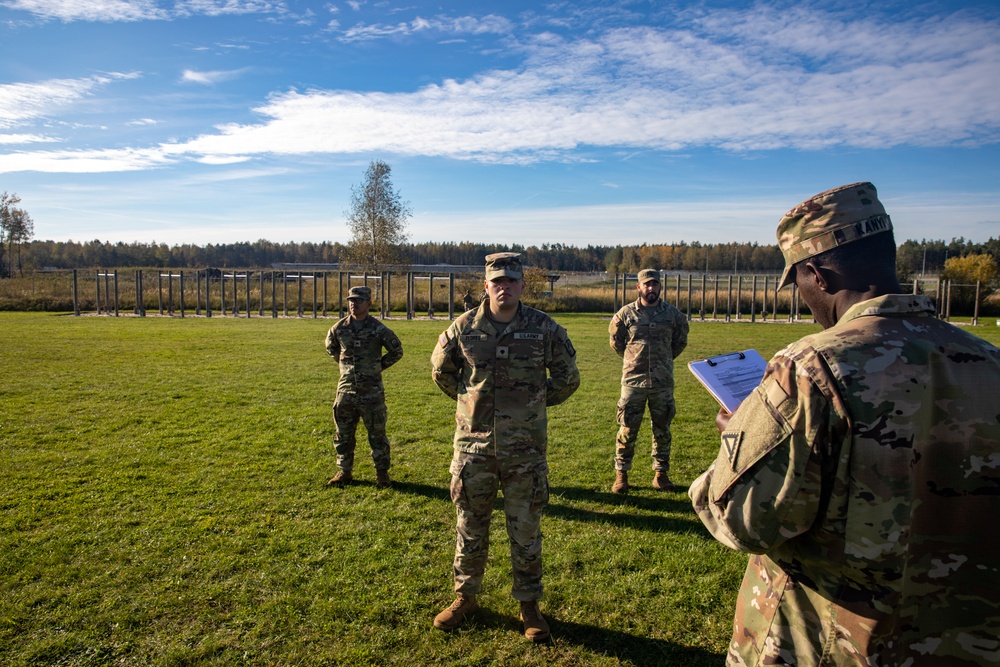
column 425, row 490
column 629, row 649
column 663, row 509
column 662, row 518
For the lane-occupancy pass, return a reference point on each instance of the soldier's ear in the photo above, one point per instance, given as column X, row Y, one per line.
column 819, row 275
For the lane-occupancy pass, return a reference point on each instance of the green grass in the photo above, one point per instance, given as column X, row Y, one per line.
column 164, row 504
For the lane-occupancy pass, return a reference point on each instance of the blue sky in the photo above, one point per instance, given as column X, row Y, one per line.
column 216, row 121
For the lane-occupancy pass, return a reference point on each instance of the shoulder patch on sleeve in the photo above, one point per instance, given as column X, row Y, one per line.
column 443, row 339
column 753, row 431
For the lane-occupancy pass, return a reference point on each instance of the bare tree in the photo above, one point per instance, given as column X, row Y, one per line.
column 377, row 220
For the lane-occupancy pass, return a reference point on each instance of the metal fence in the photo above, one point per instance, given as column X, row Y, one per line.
column 298, row 293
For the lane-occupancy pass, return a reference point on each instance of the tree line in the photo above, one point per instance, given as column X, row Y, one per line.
column 914, row 257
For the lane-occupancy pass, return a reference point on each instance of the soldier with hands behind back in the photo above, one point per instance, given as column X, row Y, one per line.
column 863, row 472
column 357, row 342
column 503, row 363
column 648, row 334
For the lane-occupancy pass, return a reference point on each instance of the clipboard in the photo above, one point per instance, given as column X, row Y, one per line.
column 731, row 377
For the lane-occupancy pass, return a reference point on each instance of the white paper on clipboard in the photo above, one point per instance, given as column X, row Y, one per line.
column 730, row 377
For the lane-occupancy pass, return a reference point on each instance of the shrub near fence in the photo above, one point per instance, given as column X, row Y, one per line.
column 272, row 293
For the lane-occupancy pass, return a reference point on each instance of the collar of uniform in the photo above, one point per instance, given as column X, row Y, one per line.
column 890, row 304
column 481, row 320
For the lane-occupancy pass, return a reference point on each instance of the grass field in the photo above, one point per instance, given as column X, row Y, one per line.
column 164, row 504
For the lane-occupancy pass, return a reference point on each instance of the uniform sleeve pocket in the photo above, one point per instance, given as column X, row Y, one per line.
column 756, row 429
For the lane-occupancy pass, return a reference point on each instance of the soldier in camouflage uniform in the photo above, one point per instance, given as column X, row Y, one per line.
column 648, row 334
column 357, row 342
column 864, row 471
column 503, row 363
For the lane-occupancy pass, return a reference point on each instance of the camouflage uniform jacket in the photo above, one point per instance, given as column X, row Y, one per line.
column 360, row 353
column 504, row 383
column 866, row 469
column 648, row 339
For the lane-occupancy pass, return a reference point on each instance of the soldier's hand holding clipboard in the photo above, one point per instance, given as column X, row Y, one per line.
column 730, row 377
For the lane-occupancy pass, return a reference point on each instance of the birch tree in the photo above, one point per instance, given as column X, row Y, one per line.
column 377, row 220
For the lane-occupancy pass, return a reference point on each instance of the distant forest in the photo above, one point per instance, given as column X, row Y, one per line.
column 914, row 256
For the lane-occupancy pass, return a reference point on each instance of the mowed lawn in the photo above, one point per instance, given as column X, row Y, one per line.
column 164, row 504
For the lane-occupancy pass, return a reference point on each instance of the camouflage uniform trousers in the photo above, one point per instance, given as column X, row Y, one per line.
column 348, row 410
column 631, row 408
column 474, row 483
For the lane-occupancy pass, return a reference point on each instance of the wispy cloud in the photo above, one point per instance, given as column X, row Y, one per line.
column 109, row 11
column 91, row 10
column 81, row 162
column 736, row 81
column 665, row 90
column 26, row 139
column 212, row 77
column 491, row 24
column 21, row 102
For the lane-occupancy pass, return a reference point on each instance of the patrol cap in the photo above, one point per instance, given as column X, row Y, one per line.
column 503, row 264
column 648, row 276
column 830, row 219
column 359, row 292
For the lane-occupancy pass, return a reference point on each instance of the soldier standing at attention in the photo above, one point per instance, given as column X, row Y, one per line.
column 357, row 342
column 864, row 470
column 648, row 334
column 503, row 363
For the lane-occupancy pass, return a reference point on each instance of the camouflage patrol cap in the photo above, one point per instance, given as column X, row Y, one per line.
column 503, row 264
column 360, row 293
column 648, row 276
column 830, row 219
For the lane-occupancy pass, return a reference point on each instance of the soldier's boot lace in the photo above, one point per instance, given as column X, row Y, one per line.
column 535, row 627
column 452, row 617
column 621, row 482
column 382, row 480
column 341, row 478
column 662, row 482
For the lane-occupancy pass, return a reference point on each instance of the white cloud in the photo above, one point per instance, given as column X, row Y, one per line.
column 726, row 83
column 211, row 77
column 81, row 162
column 91, row 10
column 22, row 102
column 664, row 90
column 223, row 159
column 25, row 139
column 491, row 24
column 223, row 7
column 108, row 11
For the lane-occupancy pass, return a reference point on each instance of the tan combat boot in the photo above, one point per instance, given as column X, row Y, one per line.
column 382, row 480
column 535, row 627
column 341, row 478
column 452, row 617
column 662, row 482
column 621, row 482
